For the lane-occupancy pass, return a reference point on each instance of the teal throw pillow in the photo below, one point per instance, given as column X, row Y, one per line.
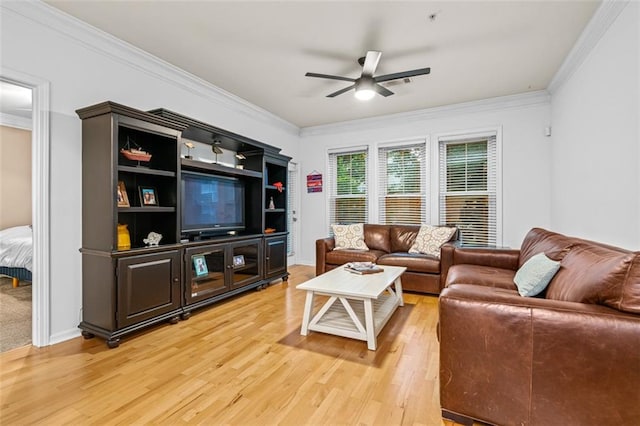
column 535, row 275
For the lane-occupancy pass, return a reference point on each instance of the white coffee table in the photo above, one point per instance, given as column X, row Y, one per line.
column 365, row 303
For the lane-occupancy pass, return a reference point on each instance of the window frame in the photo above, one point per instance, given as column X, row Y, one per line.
column 331, row 181
column 468, row 137
column 380, row 171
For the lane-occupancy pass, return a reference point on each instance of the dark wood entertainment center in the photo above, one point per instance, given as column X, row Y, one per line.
column 125, row 290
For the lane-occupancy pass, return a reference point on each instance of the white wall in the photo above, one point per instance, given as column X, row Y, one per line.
column 84, row 68
column 525, row 157
column 15, row 177
column 596, row 138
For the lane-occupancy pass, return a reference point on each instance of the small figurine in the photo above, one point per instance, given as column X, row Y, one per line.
column 272, row 205
column 153, row 239
column 189, row 146
column 278, row 186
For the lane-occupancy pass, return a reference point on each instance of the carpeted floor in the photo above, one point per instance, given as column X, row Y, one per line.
column 15, row 315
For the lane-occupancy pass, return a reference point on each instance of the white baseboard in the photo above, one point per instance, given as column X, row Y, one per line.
column 64, row 336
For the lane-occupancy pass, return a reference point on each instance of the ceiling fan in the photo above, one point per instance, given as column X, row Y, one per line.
column 367, row 85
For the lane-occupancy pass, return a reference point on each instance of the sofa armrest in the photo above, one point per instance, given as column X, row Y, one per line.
column 446, row 259
column 493, row 257
column 323, row 246
column 536, row 361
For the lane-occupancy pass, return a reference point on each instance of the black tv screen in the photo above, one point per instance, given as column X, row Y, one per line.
column 211, row 203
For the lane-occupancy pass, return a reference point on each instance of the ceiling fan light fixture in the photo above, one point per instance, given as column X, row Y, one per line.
column 368, row 84
column 365, row 94
column 364, row 89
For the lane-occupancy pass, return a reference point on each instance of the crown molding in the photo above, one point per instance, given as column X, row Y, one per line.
column 605, row 15
column 16, row 121
column 528, row 99
column 127, row 54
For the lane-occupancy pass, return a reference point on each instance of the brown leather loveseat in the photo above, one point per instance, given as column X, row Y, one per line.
column 389, row 245
column 569, row 356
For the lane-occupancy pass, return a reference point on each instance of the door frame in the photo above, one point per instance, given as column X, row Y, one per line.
column 40, row 196
column 294, row 185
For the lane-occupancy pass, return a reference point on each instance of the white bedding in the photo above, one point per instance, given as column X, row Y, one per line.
column 16, row 247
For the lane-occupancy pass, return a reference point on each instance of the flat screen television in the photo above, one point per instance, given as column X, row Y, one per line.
column 211, row 204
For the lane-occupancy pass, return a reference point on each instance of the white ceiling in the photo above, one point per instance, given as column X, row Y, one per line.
column 260, row 50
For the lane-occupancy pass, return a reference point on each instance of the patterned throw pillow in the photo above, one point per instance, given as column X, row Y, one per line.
column 535, row 275
column 430, row 239
column 349, row 236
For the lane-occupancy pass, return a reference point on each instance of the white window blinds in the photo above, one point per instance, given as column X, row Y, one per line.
column 402, row 184
column 468, row 188
column 348, row 187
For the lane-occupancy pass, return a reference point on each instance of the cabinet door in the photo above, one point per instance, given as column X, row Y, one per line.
column 205, row 270
column 148, row 285
column 246, row 263
column 275, row 256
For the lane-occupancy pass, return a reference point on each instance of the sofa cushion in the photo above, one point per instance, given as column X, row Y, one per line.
column 481, row 275
column 402, row 237
column 431, row 238
column 535, row 275
column 376, row 237
column 414, row 262
column 349, row 236
column 539, row 240
column 340, row 257
column 592, row 273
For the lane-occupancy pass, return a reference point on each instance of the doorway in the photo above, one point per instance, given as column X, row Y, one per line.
column 15, row 216
column 40, row 195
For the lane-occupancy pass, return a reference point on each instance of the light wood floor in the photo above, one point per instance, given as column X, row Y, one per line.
column 239, row 362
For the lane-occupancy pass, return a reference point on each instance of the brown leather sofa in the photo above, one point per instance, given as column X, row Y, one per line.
column 389, row 245
column 569, row 356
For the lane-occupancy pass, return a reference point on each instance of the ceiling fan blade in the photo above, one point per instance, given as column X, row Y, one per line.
column 341, row 91
column 371, row 62
column 404, row 74
column 330, row 77
column 382, row 90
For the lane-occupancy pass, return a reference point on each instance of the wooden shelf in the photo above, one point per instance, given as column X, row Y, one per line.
column 212, row 167
column 146, row 209
column 209, row 276
column 243, row 267
column 274, row 188
column 146, row 171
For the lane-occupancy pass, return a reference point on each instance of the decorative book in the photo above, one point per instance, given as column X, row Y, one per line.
column 363, row 268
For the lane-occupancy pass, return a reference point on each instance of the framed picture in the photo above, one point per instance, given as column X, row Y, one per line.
column 238, row 260
column 200, row 265
column 148, row 196
column 123, row 199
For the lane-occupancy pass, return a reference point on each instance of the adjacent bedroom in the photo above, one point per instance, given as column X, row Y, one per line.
column 16, row 236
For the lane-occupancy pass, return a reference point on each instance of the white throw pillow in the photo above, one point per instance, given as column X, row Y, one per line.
column 535, row 275
column 349, row 236
column 430, row 239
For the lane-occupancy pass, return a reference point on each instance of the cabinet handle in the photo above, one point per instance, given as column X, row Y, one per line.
column 229, row 266
column 176, row 279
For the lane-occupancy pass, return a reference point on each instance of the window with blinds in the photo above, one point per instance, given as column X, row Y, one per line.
column 402, row 184
column 468, row 188
column 348, row 187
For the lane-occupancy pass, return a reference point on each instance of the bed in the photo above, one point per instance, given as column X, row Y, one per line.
column 16, row 253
